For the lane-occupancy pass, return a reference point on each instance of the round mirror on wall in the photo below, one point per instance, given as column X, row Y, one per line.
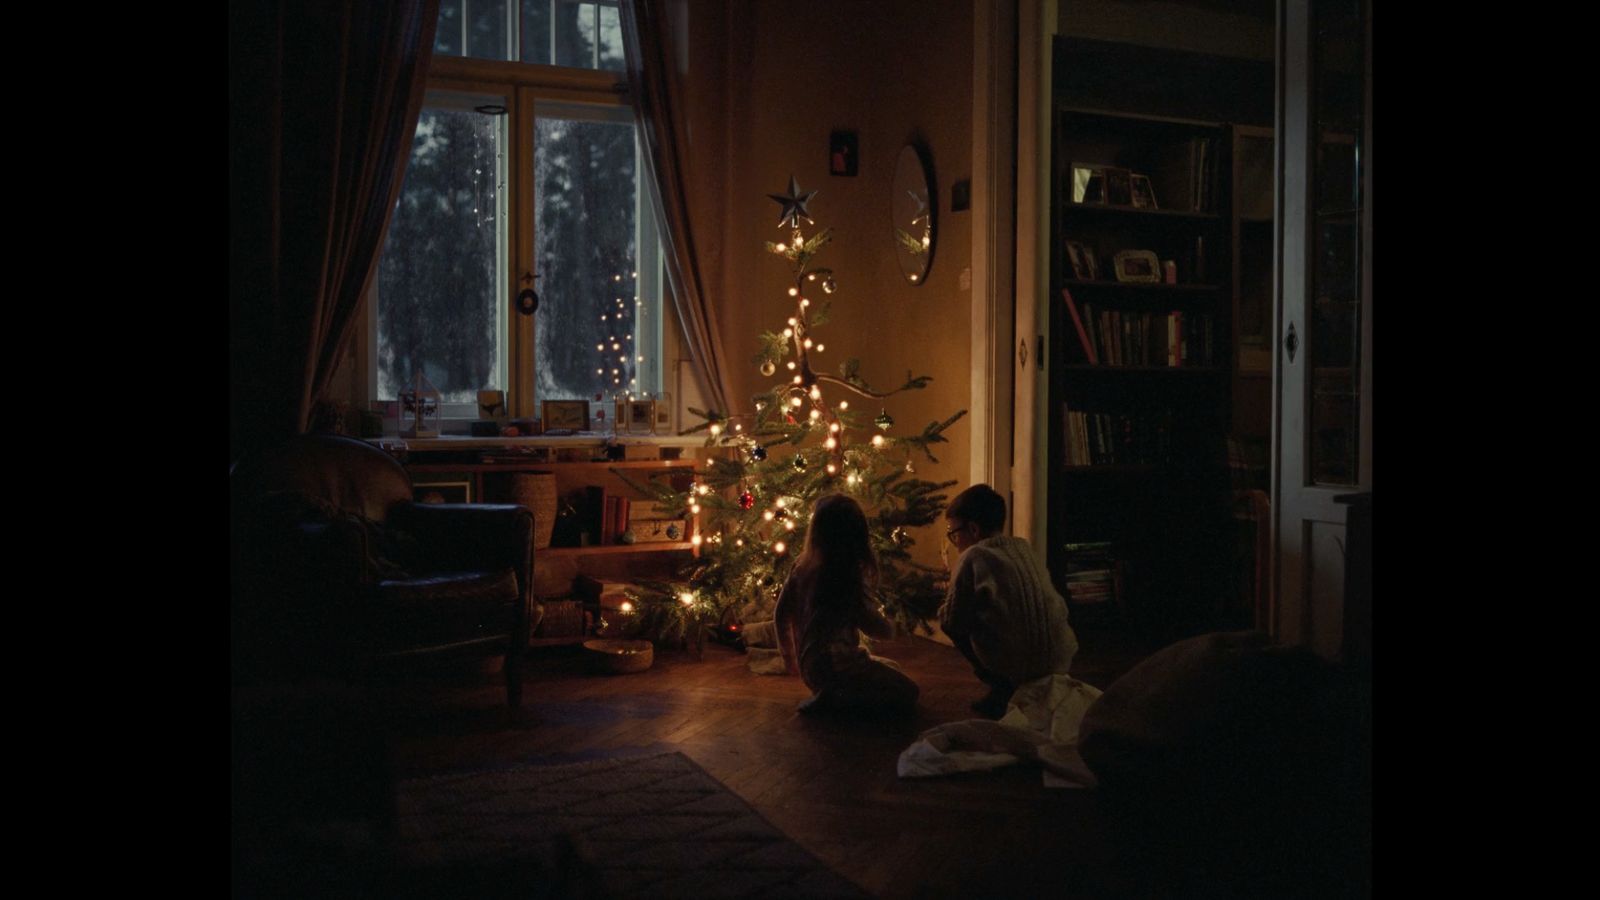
column 911, row 207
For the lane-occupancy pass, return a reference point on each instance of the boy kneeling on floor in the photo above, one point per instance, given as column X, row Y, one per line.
column 1001, row 610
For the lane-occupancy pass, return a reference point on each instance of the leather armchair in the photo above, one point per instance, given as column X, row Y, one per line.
column 334, row 567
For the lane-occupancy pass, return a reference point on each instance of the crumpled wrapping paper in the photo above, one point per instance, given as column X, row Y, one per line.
column 1041, row 724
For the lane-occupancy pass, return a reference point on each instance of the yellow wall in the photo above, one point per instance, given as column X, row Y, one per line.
column 766, row 83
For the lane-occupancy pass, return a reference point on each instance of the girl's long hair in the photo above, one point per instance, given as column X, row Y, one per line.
column 838, row 558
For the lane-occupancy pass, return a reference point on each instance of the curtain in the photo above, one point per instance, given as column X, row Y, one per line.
column 645, row 28
column 323, row 98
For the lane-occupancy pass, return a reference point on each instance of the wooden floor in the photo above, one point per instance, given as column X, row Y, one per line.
column 829, row 784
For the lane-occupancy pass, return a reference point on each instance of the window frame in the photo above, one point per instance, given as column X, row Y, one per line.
column 525, row 85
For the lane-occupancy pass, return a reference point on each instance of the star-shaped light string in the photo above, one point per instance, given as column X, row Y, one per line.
column 794, row 205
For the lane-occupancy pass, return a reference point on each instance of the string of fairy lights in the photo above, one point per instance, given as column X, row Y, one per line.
column 617, row 312
column 803, row 394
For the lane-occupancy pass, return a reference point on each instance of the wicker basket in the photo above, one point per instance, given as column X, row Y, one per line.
column 537, row 491
column 620, row 657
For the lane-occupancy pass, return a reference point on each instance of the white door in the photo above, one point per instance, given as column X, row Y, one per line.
column 1322, row 424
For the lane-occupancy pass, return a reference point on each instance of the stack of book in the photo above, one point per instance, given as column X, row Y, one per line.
column 1185, row 173
column 1094, row 575
column 1113, row 337
column 1109, row 439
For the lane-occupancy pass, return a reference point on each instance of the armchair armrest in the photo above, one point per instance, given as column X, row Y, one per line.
column 469, row 536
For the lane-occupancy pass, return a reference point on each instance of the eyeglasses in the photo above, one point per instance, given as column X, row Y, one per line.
column 951, row 532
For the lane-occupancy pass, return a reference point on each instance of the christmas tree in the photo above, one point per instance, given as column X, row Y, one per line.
column 812, row 433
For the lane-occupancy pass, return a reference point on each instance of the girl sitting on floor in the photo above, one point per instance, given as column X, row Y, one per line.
column 823, row 610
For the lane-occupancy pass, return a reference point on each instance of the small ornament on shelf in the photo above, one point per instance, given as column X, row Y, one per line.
column 422, row 401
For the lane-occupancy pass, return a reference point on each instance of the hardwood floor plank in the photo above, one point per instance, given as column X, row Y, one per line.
column 831, row 785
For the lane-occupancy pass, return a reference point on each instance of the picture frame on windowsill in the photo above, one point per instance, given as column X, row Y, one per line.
column 565, row 416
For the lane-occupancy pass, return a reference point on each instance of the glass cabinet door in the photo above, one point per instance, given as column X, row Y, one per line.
column 1333, row 323
column 1323, row 359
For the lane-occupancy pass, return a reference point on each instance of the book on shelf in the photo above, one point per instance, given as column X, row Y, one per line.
column 1108, row 439
column 592, row 515
column 617, row 515
column 1093, row 573
column 1184, row 172
column 1077, row 324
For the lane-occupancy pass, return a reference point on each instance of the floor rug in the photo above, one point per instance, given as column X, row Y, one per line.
column 656, row 826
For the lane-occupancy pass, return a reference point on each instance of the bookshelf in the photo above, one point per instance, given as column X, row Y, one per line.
column 1141, row 361
column 482, row 470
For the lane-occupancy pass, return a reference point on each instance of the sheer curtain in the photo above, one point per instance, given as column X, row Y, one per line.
column 645, row 33
column 323, row 101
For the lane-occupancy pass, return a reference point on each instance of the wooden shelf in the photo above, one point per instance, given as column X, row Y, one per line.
column 1175, row 370
column 1174, row 214
column 1123, row 116
column 582, row 439
column 586, row 465
column 1136, row 286
column 613, row 549
column 1114, row 469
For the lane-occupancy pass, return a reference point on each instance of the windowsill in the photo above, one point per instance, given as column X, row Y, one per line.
column 581, row 439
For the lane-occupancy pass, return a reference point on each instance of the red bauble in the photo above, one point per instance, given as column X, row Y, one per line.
column 747, row 500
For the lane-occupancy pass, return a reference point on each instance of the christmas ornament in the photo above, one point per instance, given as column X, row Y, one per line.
column 829, row 285
column 883, row 421
column 747, row 500
column 898, row 536
column 799, row 463
column 910, row 468
column 758, row 453
column 767, row 368
column 794, row 205
column 673, row 532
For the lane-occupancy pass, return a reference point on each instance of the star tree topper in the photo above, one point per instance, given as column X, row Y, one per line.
column 794, row 205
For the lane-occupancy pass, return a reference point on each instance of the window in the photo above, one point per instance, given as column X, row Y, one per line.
column 521, row 176
column 547, row 32
column 443, row 270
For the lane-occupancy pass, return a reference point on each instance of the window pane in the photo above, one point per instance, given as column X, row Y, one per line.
column 441, row 275
column 550, row 32
column 535, row 31
column 575, row 35
column 447, row 39
column 486, row 39
column 591, row 329
column 611, row 39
